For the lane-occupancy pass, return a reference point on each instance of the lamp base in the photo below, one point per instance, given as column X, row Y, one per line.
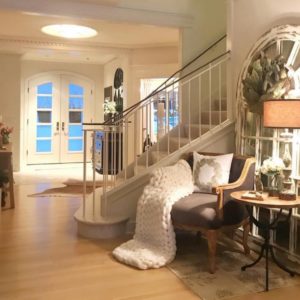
column 287, row 195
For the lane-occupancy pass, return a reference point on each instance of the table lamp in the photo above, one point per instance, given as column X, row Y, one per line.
column 284, row 113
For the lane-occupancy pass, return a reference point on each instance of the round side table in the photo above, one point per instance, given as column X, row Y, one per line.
column 267, row 202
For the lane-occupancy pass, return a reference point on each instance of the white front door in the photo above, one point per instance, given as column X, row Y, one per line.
column 58, row 105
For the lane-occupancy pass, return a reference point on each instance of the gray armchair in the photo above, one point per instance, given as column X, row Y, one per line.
column 211, row 213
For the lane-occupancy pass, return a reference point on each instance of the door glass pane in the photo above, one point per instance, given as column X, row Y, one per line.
column 43, row 131
column 45, row 88
column 75, row 130
column 75, row 116
column 44, row 116
column 75, row 145
column 75, row 89
column 44, row 102
column 75, row 103
column 43, row 146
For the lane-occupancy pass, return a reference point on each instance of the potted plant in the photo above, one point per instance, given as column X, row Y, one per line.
column 272, row 168
column 5, row 132
column 109, row 108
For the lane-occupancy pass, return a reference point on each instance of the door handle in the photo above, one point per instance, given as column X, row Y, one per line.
column 63, row 126
column 57, row 126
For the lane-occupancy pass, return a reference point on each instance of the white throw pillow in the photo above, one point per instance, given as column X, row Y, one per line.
column 210, row 171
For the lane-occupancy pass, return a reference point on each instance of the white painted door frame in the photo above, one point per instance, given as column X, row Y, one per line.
column 43, row 77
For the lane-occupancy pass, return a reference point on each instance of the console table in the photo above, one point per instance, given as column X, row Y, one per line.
column 6, row 164
column 267, row 202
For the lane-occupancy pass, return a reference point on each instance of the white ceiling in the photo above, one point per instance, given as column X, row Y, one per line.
column 21, row 21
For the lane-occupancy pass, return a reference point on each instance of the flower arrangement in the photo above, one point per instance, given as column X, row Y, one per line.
column 272, row 166
column 5, row 131
column 109, row 107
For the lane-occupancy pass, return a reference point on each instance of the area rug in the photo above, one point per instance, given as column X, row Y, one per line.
column 72, row 187
column 191, row 265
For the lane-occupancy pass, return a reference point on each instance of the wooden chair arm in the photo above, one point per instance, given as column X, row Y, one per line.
column 234, row 185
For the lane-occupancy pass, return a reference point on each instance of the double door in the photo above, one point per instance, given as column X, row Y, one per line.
column 57, row 107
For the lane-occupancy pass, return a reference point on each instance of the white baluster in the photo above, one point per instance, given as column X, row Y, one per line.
column 114, row 155
column 135, row 139
column 179, row 113
column 200, row 105
column 148, row 133
column 126, row 149
column 94, row 171
column 105, row 168
column 151, row 118
column 189, row 112
column 84, row 172
column 209, row 91
column 111, row 153
column 167, row 121
column 220, row 94
column 120, row 146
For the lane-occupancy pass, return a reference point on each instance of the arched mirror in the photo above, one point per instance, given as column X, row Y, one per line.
column 271, row 70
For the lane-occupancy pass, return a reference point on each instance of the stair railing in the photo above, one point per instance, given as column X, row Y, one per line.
column 176, row 114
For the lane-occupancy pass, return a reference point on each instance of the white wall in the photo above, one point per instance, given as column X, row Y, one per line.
column 249, row 20
column 109, row 74
column 10, row 78
column 159, row 62
column 209, row 24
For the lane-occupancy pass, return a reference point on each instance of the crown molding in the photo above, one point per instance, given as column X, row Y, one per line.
column 40, row 43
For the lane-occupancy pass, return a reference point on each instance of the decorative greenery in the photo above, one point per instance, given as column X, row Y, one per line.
column 266, row 79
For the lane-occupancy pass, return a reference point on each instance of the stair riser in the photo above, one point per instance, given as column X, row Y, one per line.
column 216, row 105
column 195, row 131
column 215, row 117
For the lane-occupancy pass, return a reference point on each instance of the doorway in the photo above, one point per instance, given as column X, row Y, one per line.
column 157, row 111
column 58, row 104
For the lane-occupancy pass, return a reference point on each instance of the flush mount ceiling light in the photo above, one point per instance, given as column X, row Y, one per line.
column 69, row 31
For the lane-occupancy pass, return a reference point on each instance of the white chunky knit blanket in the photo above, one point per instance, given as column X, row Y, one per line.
column 154, row 244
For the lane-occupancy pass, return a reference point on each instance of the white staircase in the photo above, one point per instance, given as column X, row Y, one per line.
column 198, row 103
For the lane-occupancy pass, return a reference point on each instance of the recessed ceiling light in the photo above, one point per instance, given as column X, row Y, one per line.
column 69, row 31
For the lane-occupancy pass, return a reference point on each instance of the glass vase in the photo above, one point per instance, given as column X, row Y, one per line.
column 5, row 139
column 273, row 187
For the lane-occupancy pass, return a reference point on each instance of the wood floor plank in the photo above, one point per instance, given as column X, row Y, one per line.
column 42, row 258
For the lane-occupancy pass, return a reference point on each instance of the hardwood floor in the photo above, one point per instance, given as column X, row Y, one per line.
column 41, row 257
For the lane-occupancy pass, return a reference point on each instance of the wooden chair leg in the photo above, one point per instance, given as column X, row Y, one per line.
column 212, row 249
column 246, row 227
